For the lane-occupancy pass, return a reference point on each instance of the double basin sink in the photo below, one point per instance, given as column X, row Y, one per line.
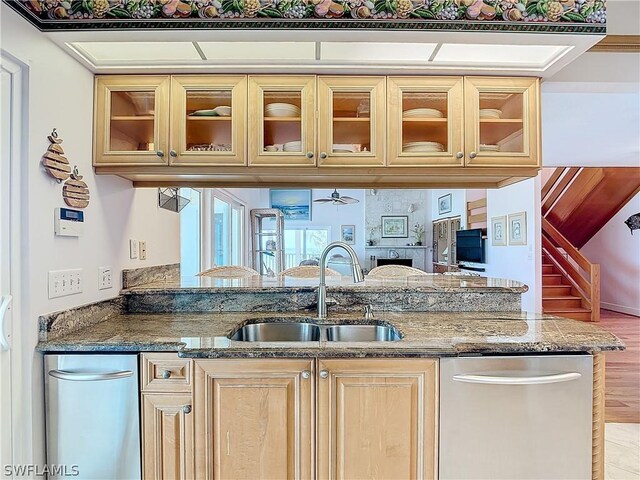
column 304, row 329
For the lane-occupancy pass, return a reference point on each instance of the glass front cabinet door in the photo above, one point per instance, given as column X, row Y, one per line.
column 208, row 117
column 502, row 118
column 351, row 121
column 282, row 120
column 425, row 118
column 131, row 120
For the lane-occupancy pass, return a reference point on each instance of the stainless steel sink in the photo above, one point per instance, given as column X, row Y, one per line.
column 305, row 329
column 362, row 333
column 277, row 332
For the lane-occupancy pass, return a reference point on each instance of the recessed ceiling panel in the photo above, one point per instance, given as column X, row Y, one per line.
column 499, row 55
column 369, row 52
column 243, row 51
column 137, row 52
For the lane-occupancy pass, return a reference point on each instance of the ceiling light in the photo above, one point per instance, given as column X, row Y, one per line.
column 359, row 52
column 499, row 55
column 139, row 52
column 242, row 51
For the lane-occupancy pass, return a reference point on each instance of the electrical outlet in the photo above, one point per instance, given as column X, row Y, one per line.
column 143, row 249
column 133, row 249
column 104, row 278
column 65, row 282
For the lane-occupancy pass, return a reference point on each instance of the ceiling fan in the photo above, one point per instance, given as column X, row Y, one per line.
column 337, row 199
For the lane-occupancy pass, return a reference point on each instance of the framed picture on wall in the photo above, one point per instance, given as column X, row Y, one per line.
column 295, row 204
column 444, row 204
column 499, row 231
column 396, row 226
column 518, row 228
column 348, row 234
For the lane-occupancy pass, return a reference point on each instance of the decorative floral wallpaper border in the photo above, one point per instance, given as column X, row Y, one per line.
column 550, row 15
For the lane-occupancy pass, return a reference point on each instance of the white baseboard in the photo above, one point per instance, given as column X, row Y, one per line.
column 620, row 308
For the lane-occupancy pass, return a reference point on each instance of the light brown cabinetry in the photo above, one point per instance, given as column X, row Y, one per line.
column 306, row 130
column 351, row 121
column 131, row 120
column 502, row 122
column 282, row 119
column 377, row 418
column 425, row 121
column 167, row 418
column 255, row 418
column 208, row 118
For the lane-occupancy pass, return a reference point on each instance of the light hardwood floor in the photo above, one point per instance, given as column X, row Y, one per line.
column 622, row 382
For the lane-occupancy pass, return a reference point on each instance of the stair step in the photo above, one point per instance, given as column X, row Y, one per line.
column 556, row 290
column 577, row 313
column 547, row 269
column 553, row 279
column 556, row 302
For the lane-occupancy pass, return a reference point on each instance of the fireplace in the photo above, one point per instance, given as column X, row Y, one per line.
column 407, row 262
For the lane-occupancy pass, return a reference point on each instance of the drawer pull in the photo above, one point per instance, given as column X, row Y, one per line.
column 166, row 374
column 186, row 409
column 533, row 380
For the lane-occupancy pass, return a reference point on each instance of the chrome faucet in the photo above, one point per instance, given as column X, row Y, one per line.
column 322, row 288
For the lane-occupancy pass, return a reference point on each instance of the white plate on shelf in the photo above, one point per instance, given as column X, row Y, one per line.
column 281, row 110
column 490, row 113
column 221, row 111
column 422, row 112
column 346, row 148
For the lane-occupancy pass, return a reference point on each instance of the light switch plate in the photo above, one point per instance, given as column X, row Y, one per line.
column 143, row 249
column 65, row 282
column 133, row 249
column 104, row 278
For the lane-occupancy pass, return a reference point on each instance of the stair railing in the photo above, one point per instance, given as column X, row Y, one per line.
column 585, row 277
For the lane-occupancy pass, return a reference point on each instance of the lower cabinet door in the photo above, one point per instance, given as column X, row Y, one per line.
column 376, row 418
column 254, row 419
column 167, row 432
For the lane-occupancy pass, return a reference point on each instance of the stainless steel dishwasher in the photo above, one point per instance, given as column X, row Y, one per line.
column 92, row 415
column 516, row 417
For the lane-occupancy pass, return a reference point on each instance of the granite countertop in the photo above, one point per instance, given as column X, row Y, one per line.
column 419, row 283
column 424, row 335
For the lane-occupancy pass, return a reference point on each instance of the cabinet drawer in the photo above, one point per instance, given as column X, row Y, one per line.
column 165, row 372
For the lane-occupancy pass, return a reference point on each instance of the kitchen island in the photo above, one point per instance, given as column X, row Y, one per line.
column 214, row 404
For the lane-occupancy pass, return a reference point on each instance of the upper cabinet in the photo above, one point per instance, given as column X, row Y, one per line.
column 502, row 122
column 351, row 121
column 131, row 120
column 282, row 120
column 208, row 118
column 425, row 121
column 336, row 131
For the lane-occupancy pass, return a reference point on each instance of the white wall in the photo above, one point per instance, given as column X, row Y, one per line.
column 515, row 262
column 458, row 205
column 618, row 253
column 61, row 96
column 590, row 128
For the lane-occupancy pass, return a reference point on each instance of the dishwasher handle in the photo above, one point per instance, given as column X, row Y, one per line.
column 89, row 376
column 517, row 380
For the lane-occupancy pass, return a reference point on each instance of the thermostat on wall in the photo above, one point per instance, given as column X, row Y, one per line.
column 68, row 222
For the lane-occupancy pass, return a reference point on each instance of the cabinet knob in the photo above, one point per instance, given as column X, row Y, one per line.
column 166, row 374
column 473, row 155
column 324, row 373
column 173, row 153
column 160, row 153
column 323, row 155
column 459, row 155
column 309, row 154
column 306, row 374
column 186, row 409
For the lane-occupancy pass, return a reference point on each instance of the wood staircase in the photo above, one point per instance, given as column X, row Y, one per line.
column 570, row 283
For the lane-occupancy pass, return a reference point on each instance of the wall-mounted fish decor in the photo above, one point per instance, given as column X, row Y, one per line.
column 633, row 222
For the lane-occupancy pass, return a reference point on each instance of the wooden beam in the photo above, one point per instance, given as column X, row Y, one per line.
column 557, row 173
column 477, row 204
column 479, row 218
column 618, row 44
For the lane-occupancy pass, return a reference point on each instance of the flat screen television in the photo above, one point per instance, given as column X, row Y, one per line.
column 470, row 245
